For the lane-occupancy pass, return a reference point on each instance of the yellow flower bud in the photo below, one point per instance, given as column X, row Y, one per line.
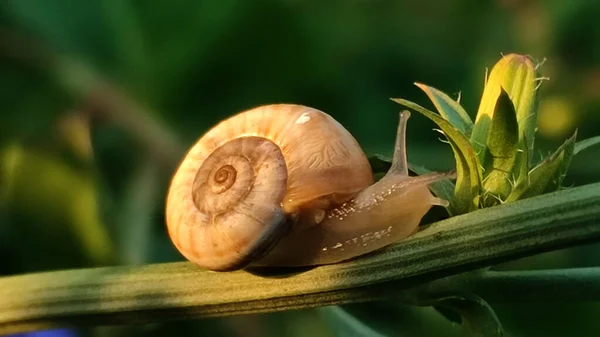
column 517, row 75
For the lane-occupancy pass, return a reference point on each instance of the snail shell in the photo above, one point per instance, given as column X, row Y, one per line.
column 231, row 197
column 287, row 185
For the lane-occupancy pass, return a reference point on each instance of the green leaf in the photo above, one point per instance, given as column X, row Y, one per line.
column 443, row 189
column 478, row 318
column 502, row 143
column 584, row 144
column 548, row 175
column 346, row 325
column 450, row 109
column 468, row 169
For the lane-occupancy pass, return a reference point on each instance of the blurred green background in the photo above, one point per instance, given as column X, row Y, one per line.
column 100, row 99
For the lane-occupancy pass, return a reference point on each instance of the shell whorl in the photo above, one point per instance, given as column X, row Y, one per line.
column 238, row 173
column 236, row 198
column 230, row 198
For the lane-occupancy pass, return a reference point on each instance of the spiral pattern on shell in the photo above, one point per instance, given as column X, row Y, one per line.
column 233, row 195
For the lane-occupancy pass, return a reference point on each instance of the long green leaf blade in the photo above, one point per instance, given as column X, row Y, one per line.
column 586, row 143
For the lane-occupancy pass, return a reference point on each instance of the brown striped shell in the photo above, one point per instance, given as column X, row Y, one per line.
column 249, row 179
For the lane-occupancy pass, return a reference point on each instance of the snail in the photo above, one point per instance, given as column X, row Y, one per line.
column 287, row 185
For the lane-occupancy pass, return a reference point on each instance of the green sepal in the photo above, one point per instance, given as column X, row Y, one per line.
column 548, row 175
column 450, row 109
column 501, row 147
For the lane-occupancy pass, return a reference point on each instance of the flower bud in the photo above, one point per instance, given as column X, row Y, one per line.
column 517, row 75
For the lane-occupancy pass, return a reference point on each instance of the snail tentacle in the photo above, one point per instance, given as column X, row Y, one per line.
column 399, row 159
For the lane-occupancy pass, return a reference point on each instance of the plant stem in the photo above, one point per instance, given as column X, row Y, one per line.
column 570, row 284
column 181, row 290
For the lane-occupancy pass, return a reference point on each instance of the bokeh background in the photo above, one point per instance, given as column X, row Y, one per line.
column 100, row 99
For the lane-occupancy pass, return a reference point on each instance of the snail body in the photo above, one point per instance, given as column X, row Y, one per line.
column 287, row 185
